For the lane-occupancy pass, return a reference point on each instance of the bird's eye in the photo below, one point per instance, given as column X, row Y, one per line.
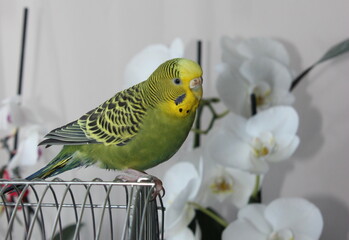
column 177, row 81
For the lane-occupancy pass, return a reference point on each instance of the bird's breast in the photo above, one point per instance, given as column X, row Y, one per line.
column 158, row 139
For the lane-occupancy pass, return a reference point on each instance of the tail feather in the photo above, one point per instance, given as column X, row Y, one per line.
column 56, row 166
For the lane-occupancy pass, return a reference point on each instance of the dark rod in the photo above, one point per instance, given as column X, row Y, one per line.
column 199, row 49
column 258, row 197
column 21, row 65
column 253, row 104
column 199, row 111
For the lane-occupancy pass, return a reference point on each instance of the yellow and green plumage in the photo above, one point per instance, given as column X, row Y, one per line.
column 138, row 128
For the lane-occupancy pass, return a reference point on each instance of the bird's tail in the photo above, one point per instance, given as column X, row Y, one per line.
column 56, row 166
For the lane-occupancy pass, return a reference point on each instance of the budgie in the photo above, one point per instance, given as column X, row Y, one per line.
column 137, row 129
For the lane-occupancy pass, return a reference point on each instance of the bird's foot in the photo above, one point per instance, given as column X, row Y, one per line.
column 132, row 175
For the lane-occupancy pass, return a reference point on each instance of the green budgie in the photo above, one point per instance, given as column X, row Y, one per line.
column 136, row 129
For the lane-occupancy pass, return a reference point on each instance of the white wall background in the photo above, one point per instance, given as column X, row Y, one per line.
column 77, row 51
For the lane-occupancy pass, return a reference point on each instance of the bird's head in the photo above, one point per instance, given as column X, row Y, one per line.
column 178, row 82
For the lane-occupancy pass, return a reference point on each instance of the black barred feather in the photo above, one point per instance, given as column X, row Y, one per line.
column 116, row 121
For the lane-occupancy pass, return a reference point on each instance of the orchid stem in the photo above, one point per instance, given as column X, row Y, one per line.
column 256, row 194
column 256, row 187
column 209, row 213
column 5, row 145
column 215, row 116
column 253, row 104
column 197, row 136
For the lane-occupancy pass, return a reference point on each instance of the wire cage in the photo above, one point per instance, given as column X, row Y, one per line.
column 77, row 209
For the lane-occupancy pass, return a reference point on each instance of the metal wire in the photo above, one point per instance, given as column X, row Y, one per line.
column 77, row 209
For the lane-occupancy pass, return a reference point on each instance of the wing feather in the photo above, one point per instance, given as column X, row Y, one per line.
column 116, row 121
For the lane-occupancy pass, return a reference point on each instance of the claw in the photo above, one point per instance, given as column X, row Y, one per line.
column 132, row 175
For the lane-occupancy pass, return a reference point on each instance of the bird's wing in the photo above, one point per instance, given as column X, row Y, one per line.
column 69, row 134
column 116, row 121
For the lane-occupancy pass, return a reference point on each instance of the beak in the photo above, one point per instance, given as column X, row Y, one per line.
column 195, row 83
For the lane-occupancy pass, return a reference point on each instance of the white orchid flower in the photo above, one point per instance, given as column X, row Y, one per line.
column 182, row 182
column 28, row 151
column 251, row 144
column 145, row 62
column 236, row 51
column 222, row 184
column 282, row 219
column 184, row 233
column 233, row 90
column 258, row 66
column 13, row 116
column 269, row 81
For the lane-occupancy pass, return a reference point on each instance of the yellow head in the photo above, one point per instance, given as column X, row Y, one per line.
column 177, row 83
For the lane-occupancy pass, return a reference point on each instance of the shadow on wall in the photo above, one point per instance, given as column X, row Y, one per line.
column 335, row 214
column 274, row 180
column 310, row 123
column 310, row 119
column 295, row 56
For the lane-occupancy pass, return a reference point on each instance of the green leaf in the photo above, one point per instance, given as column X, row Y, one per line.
column 67, row 232
column 336, row 50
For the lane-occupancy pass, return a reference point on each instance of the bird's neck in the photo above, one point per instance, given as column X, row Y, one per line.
column 150, row 93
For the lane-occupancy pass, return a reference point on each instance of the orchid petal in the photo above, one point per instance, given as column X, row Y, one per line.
column 5, row 122
column 282, row 97
column 242, row 230
column 10, row 113
column 18, row 114
column 13, row 115
column 174, row 184
column 300, row 236
column 27, row 153
column 258, row 166
column 222, row 183
column 180, row 190
column 258, row 66
column 236, row 124
column 244, row 183
column 177, row 48
column 278, row 120
column 266, row 70
column 145, row 62
column 232, row 89
column 227, row 149
column 284, row 151
column 179, row 213
column 264, row 47
column 184, row 233
column 297, row 214
column 254, row 214
column 229, row 53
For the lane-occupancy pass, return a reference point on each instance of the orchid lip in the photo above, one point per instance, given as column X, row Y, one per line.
column 194, row 83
